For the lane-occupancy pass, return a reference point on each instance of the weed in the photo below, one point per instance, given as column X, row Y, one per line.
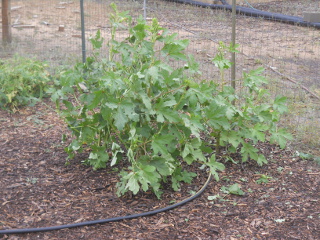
column 280, row 220
column 35, row 120
column 243, row 179
column 280, row 169
column 234, row 189
column 23, row 81
column 308, row 156
column 214, row 197
column 191, row 192
column 32, row 180
column 225, row 178
column 263, row 179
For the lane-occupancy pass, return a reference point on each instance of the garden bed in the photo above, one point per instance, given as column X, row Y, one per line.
column 281, row 199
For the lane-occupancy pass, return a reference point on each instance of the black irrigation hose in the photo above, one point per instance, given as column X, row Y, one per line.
column 253, row 13
column 115, row 219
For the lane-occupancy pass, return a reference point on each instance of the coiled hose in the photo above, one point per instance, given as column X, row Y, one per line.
column 115, row 219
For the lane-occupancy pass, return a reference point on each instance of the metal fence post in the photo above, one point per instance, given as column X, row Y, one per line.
column 233, row 39
column 145, row 10
column 233, row 54
column 83, row 34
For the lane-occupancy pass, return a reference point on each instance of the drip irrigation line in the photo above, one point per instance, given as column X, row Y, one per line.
column 115, row 219
column 253, row 13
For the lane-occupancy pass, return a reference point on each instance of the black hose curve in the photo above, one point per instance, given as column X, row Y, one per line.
column 253, row 13
column 115, row 219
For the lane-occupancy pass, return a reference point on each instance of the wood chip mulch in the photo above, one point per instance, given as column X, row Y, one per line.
column 37, row 189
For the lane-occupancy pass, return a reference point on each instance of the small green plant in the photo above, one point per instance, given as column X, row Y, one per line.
column 280, row 220
column 214, row 197
column 138, row 107
column 308, row 156
column 234, row 189
column 23, row 81
column 243, row 179
column 32, row 180
column 263, row 179
column 250, row 190
column 280, row 169
column 226, row 178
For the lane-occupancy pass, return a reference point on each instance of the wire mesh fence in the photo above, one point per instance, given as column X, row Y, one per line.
column 51, row 30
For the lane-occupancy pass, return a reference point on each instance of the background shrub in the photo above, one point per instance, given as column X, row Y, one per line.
column 22, row 82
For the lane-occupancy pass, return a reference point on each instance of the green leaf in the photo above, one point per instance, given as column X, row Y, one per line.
column 279, row 104
column 132, row 183
column 97, row 41
column 261, row 160
column 160, row 118
column 160, row 143
column 116, row 153
column 281, row 137
column 170, row 103
column 221, row 62
column 95, row 101
column 258, row 132
column 130, row 111
column 279, row 220
column 236, row 189
column 171, row 115
column 146, row 100
column 174, row 48
column 187, row 176
column 120, row 119
column 147, row 176
column 232, row 137
column 75, row 145
column 153, row 72
column 192, row 151
column 194, row 124
column 248, row 151
column 230, row 112
column 148, row 168
column 306, row 156
column 112, row 105
column 164, row 165
column 216, row 116
column 188, row 149
column 215, row 166
column 214, row 197
column 253, row 80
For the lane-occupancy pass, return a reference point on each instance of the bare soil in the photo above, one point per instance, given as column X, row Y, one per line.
column 37, row 189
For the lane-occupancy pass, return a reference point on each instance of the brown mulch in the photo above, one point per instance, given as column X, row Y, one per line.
column 37, row 189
